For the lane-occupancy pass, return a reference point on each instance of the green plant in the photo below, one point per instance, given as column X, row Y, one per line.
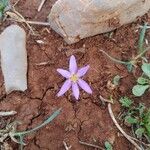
column 108, row 146
column 3, row 5
column 142, row 37
column 130, row 64
column 18, row 137
column 143, row 82
column 138, row 117
column 126, row 102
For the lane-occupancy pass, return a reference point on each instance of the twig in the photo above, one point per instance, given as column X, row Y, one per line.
column 44, row 63
column 16, row 3
column 142, row 53
column 120, row 129
column 41, row 5
column 127, row 62
column 148, row 145
column 148, row 27
column 91, row 145
column 9, row 113
column 105, row 100
column 18, row 17
column 31, row 22
column 66, row 147
column 38, row 23
column 114, row 59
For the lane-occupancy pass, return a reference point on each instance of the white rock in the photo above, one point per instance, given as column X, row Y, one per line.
column 14, row 58
column 77, row 19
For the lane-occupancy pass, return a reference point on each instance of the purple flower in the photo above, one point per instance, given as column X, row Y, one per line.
column 73, row 79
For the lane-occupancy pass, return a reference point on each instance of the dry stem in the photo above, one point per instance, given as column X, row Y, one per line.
column 9, row 113
column 66, row 147
column 16, row 3
column 91, row 145
column 31, row 22
column 16, row 16
column 41, row 5
column 120, row 129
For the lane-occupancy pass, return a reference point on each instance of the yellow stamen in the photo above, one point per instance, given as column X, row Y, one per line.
column 74, row 78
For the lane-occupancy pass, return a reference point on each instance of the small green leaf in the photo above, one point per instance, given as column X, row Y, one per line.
column 139, row 132
column 146, row 121
column 131, row 120
column 143, row 81
column 141, row 109
column 108, row 146
column 47, row 121
column 147, row 116
column 130, row 67
column 146, row 69
column 138, row 90
column 148, row 129
column 116, row 80
column 125, row 102
column 3, row 4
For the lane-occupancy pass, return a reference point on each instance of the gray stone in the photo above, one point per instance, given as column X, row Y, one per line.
column 77, row 19
column 14, row 58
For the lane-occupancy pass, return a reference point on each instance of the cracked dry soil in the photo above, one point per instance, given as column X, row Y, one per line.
column 87, row 120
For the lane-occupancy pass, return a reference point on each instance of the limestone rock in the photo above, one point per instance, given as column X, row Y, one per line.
column 14, row 58
column 77, row 19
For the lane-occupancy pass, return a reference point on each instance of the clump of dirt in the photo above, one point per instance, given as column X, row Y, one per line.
column 87, row 119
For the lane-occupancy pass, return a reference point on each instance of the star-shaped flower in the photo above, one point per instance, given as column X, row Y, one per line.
column 73, row 79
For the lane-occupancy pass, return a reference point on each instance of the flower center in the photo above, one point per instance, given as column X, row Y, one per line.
column 74, row 78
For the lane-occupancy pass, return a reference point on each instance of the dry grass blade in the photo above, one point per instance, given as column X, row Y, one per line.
column 45, row 63
column 17, row 13
column 91, row 145
column 121, row 130
column 16, row 16
column 31, row 22
column 41, row 5
column 9, row 113
column 66, row 147
column 147, row 145
column 16, row 3
column 38, row 23
column 105, row 100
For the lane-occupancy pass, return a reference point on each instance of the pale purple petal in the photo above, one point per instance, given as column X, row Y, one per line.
column 75, row 90
column 81, row 72
column 73, row 65
column 84, row 86
column 64, row 73
column 64, row 88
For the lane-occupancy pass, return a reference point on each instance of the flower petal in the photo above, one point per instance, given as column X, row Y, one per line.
column 81, row 72
column 64, row 73
column 84, row 86
column 72, row 65
column 75, row 90
column 64, row 88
